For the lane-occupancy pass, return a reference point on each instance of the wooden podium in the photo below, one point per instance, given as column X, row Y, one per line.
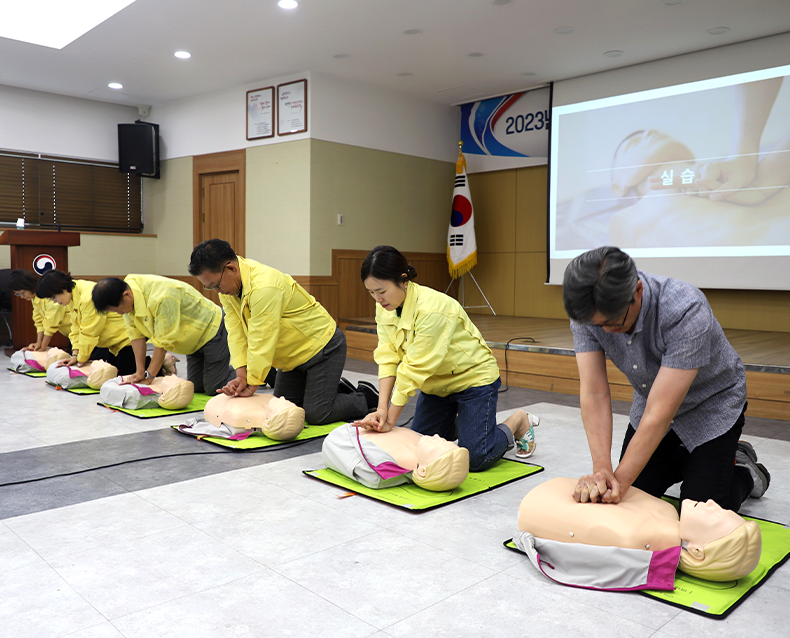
column 27, row 248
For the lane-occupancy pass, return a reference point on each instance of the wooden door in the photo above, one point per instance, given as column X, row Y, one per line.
column 219, row 200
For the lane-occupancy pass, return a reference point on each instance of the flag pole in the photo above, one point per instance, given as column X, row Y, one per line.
column 461, row 242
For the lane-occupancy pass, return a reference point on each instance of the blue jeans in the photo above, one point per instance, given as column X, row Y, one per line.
column 469, row 416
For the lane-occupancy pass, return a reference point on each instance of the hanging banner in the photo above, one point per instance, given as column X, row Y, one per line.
column 506, row 132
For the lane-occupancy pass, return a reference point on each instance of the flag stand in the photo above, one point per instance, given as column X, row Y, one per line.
column 462, row 299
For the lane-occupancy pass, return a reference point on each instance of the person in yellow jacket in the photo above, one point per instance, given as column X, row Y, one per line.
column 175, row 318
column 93, row 335
column 273, row 321
column 48, row 317
column 427, row 342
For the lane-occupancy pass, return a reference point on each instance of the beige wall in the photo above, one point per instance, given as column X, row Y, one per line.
column 385, row 198
column 112, row 255
column 510, row 224
column 278, row 205
column 167, row 206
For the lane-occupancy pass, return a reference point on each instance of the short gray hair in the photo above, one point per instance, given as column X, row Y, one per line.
column 601, row 280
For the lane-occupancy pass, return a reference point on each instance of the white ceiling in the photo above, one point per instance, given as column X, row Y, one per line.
column 236, row 42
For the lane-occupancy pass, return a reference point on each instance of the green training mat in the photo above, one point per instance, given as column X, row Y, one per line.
column 717, row 600
column 196, row 405
column 81, row 390
column 30, row 374
column 258, row 440
column 417, row 499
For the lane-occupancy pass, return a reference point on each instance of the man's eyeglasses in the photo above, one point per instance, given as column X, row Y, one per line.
column 614, row 324
column 219, row 283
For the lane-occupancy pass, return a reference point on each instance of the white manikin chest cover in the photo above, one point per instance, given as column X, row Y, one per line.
column 354, row 456
column 67, row 377
column 595, row 567
column 20, row 363
column 129, row 396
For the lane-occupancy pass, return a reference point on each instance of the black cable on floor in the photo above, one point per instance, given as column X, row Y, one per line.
column 507, row 347
column 148, row 458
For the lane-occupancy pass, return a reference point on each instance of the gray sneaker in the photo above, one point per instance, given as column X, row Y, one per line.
column 745, row 456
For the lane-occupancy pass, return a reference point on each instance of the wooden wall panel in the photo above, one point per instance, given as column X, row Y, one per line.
column 355, row 301
column 495, row 275
column 494, row 202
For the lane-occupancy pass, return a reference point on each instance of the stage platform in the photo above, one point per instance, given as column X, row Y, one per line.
column 538, row 354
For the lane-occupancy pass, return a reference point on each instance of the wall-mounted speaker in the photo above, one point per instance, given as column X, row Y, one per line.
column 138, row 148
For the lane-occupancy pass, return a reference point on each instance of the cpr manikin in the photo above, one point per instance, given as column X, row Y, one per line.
column 92, row 375
column 36, row 361
column 275, row 417
column 716, row 543
column 383, row 459
column 170, row 392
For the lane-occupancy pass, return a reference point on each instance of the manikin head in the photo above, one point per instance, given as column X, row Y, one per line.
column 721, row 545
column 54, row 355
column 277, row 418
column 177, row 393
column 101, row 372
column 441, row 464
column 642, row 154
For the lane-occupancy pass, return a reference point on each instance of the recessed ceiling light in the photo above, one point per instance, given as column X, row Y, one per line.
column 412, row 32
column 502, row 3
column 183, row 55
column 341, row 56
column 54, row 23
column 115, row 85
column 287, row 4
column 613, row 54
column 672, row 3
column 405, row 75
column 476, row 54
column 564, row 30
column 718, row 30
column 527, row 73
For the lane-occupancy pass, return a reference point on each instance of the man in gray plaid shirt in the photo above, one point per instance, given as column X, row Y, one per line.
column 689, row 385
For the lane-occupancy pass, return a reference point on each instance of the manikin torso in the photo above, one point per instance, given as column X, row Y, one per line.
column 639, row 521
column 407, row 447
column 244, row 413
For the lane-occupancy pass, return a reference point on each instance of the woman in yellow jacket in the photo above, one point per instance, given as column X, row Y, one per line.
column 93, row 335
column 48, row 317
column 427, row 342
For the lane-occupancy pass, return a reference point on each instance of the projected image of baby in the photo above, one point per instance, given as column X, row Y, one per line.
column 678, row 200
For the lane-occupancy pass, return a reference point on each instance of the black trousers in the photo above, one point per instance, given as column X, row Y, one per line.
column 124, row 360
column 708, row 472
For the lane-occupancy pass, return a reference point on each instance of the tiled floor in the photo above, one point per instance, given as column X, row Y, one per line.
column 243, row 545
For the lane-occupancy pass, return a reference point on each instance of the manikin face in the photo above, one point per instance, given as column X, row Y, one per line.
column 62, row 298
column 430, row 448
column 701, row 523
column 388, row 294
column 277, row 405
column 644, row 154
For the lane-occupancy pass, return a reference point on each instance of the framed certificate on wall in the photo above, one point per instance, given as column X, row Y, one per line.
column 292, row 107
column 260, row 113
